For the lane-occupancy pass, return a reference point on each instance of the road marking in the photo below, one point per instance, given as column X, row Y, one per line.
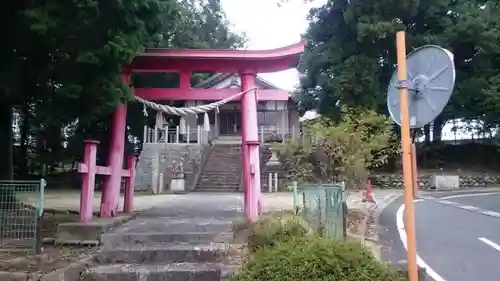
column 470, row 208
column 468, row 195
column 491, row 214
column 402, row 235
column 447, row 202
column 490, row 243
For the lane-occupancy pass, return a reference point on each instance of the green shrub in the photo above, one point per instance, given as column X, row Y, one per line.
column 314, row 258
column 272, row 229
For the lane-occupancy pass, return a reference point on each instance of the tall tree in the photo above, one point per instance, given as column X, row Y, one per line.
column 62, row 59
column 61, row 62
column 351, row 52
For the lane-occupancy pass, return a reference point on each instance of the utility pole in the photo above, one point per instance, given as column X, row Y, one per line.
column 407, row 157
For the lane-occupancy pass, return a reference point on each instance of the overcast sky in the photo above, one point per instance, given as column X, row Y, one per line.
column 269, row 26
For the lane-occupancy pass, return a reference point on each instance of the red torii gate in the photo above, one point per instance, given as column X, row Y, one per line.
column 246, row 63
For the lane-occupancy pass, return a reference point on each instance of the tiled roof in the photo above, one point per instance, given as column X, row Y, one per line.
column 219, row 77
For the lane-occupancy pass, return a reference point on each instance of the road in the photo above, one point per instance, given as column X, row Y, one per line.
column 458, row 235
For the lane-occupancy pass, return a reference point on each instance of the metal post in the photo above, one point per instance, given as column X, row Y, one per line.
column 160, row 184
column 188, row 134
column 406, row 146
column 414, row 171
column 270, row 182
column 262, row 134
column 41, row 206
column 145, row 135
column 198, row 133
column 295, row 196
column 275, row 182
column 155, row 135
column 153, row 183
column 176, row 134
column 156, row 161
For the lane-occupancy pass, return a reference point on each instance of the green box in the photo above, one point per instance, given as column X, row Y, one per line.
column 324, row 208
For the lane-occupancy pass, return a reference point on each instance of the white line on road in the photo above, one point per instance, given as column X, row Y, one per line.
column 490, row 243
column 491, row 214
column 470, row 208
column 402, row 235
column 447, row 202
column 468, row 195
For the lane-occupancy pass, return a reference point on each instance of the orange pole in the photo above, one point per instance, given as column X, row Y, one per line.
column 414, row 171
column 406, row 146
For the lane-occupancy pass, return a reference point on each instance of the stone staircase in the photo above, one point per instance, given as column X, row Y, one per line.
column 222, row 170
column 182, row 242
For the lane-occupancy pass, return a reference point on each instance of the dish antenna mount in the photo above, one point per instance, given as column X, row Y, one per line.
column 431, row 77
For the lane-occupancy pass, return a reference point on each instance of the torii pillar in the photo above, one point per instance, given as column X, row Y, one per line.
column 111, row 191
column 251, row 152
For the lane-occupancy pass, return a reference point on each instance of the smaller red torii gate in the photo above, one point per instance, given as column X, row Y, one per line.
column 245, row 62
column 89, row 170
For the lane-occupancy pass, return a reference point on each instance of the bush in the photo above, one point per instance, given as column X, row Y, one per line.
column 314, row 258
column 343, row 151
column 272, row 229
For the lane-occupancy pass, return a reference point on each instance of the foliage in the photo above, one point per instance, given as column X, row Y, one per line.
column 314, row 258
column 60, row 70
column 272, row 229
column 346, row 150
column 350, row 53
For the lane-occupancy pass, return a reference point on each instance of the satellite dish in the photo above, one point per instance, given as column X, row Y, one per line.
column 430, row 78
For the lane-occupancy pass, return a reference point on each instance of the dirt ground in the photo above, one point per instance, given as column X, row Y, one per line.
column 354, row 219
column 52, row 257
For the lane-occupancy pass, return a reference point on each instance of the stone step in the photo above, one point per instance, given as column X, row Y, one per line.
column 162, row 253
column 159, row 272
column 220, row 176
column 151, row 238
column 219, row 186
column 226, row 155
column 212, row 170
column 169, row 225
column 224, row 161
column 213, row 189
column 216, row 185
column 220, row 179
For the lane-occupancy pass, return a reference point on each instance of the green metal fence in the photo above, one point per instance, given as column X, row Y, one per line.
column 323, row 207
column 21, row 212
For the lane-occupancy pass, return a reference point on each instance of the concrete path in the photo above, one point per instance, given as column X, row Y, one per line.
column 457, row 234
column 69, row 200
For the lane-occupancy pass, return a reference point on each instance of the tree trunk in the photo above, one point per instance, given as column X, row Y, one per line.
column 427, row 134
column 6, row 142
column 437, row 130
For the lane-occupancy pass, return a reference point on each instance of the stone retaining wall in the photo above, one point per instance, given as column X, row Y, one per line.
column 470, row 180
column 168, row 153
